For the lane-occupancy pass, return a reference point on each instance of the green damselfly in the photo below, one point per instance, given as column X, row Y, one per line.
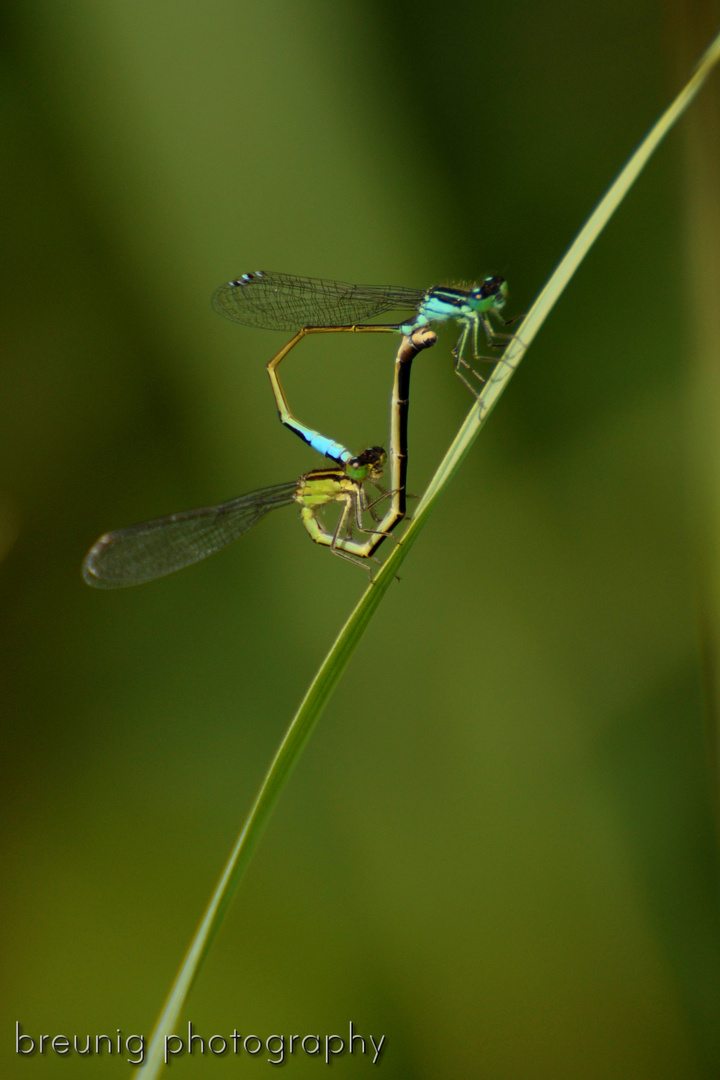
column 155, row 548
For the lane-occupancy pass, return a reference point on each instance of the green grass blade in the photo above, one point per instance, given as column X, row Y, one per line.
column 339, row 656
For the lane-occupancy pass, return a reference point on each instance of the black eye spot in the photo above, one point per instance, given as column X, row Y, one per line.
column 492, row 286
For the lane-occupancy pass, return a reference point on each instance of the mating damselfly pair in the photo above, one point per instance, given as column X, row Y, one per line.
column 310, row 305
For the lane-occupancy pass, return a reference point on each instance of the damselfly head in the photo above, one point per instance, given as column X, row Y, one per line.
column 368, row 465
column 492, row 293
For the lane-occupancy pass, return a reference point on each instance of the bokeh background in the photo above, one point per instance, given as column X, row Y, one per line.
column 499, row 850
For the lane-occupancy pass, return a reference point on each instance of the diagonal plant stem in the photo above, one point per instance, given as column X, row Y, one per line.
column 336, row 661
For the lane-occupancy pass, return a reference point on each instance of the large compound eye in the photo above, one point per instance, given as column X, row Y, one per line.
column 496, row 287
column 374, row 458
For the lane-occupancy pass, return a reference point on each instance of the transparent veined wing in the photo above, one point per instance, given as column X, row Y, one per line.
column 154, row 548
column 277, row 301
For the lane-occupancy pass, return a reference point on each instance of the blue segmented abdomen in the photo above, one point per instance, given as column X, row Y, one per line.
column 327, row 447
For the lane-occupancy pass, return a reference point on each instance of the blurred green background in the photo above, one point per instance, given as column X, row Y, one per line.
column 499, row 849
